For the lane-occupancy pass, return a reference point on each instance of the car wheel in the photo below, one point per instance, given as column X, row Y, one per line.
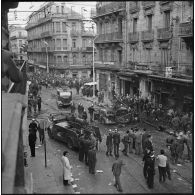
column 70, row 144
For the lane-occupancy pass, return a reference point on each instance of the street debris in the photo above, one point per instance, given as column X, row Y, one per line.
column 179, row 178
column 110, row 184
column 36, row 147
column 74, row 186
column 99, row 171
column 58, row 150
column 72, row 179
column 174, row 171
column 78, row 166
column 179, row 165
column 77, row 192
column 76, row 179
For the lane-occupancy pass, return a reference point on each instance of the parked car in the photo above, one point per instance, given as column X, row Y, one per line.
column 64, row 98
column 66, row 132
column 122, row 115
column 106, row 116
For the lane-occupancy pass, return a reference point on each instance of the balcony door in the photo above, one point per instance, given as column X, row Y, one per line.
column 164, row 57
column 120, row 26
column 134, row 25
column 150, row 23
column 167, row 19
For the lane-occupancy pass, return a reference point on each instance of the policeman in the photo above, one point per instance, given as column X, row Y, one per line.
column 116, row 142
column 146, row 162
column 109, row 143
column 125, row 142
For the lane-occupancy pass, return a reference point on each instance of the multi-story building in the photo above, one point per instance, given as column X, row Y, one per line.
column 59, row 31
column 156, row 58
column 18, row 38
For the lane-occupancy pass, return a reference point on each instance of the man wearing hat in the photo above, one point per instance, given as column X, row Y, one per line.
column 91, row 111
column 109, row 143
column 148, row 143
column 116, row 142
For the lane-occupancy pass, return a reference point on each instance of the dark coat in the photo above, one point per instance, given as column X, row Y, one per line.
column 92, row 156
column 31, row 139
column 91, row 110
column 148, row 145
column 109, row 140
column 116, row 168
column 116, row 138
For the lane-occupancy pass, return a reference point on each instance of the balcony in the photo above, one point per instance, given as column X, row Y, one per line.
column 46, row 34
column 109, row 37
column 87, row 49
column 185, row 70
column 148, row 4
column 109, row 8
column 87, row 33
column 164, row 34
column 133, row 37
column 32, row 37
column 74, row 16
column 18, row 37
column 75, row 49
column 134, row 7
column 75, row 32
column 186, row 29
column 147, row 36
column 49, row 49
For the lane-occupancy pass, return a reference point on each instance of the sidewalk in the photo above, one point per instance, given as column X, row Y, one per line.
column 44, row 180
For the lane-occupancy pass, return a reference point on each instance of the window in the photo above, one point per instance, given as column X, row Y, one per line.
column 84, row 59
column 64, row 44
column 65, row 59
column 20, row 43
column 164, row 57
column 57, row 9
column 57, row 26
column 148, row 56
column 120, row 56
column 149, row 23
column 20, row 34
column 84, row 43
column 59, row 59
column 62, row 9
column 58, row 44
column 74, row 26
column 112, row 55
column 74, row 43
column 101, row 55
column 105, row 55
column 167, row 19
column 63, row 26
column 120, row 26
column 74, row 59
column 135, row 25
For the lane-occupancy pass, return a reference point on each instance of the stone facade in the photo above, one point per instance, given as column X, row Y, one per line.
column 69, row 41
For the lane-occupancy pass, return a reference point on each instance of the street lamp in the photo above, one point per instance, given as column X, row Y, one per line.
column 94, row 69
column 47, row 55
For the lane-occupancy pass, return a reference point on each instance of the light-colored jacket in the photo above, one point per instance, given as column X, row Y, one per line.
column 66, row 168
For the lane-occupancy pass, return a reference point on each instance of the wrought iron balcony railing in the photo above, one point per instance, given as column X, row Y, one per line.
column 148, row 4
column 164, row 33
column 133, row 37
column 87, row 33
column 147, row 35
column 108, row 8
column 46, row 34
column 186, row 29
column 134, row 6
column 109, row 37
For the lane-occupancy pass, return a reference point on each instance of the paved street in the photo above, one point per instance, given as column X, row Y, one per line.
column 102, row 182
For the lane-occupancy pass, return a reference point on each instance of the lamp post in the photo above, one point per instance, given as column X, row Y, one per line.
column 47, row 55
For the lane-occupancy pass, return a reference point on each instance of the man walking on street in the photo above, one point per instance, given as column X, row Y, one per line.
column 109, row 143
column 41, row 131
column 116, row 170
column 131, row 137
column 138, row 139
column 39, row 102
column 92, row 159
column 151, row 170
column 32, row 140
column 116, row 142
column 81, row 147
column 162, row 162
column 126, row 143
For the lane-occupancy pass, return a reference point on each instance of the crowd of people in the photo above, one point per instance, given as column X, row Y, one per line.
column 179, row 121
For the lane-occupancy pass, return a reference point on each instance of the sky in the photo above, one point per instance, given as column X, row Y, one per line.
column 24, row 9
